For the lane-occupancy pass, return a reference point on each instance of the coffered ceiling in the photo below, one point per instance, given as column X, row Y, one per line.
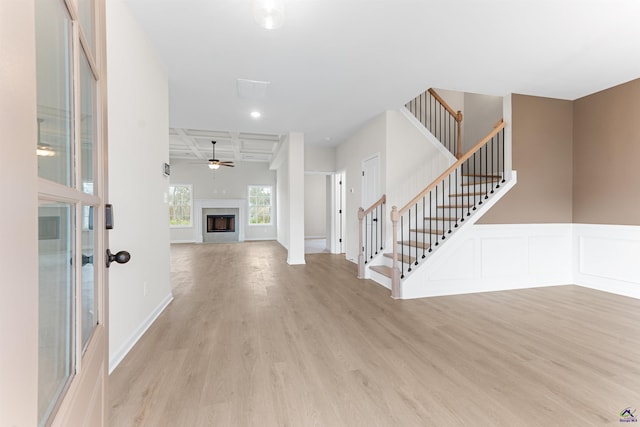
column 194, row 146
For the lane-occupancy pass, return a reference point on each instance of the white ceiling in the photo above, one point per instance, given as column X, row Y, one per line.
column 337, row 63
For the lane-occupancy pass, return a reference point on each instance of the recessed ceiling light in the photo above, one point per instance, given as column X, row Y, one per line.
column 269, row 14
column 256, row 114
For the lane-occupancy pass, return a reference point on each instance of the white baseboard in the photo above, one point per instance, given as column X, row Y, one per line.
column 120, row 354
column 259, row 239
column 606, row 258
column 182, row 241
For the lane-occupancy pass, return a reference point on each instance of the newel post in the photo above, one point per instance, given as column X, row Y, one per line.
column 459, row 148
column 396, row 292
column 360, row 245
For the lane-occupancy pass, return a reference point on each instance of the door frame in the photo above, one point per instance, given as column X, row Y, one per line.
column 19, row 230
column 338, row 214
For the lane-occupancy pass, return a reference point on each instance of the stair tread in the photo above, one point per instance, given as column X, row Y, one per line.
column 447, row 218
column 383, row 269
column 454, row 206
column 402, row 258
column 481, row 182
column 415, row 244
column 426, row 231
column 476, row 193
column 482, row 175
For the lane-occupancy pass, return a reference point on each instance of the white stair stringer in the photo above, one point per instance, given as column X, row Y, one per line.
column 418, row 283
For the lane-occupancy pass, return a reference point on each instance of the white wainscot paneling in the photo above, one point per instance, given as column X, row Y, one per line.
column 607, row 257
column 549, row 254
column 501, row 257
column 459, row 265
column 504, row 257
column 610, row 258
column 496, row 257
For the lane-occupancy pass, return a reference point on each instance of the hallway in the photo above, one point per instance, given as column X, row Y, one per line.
column 252, row 341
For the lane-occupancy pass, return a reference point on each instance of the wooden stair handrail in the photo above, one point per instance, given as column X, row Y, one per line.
column 456, row 114
column 364, row 212
column 498, row 127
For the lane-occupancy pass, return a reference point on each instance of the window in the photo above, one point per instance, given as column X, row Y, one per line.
column 180, row 205
column 260, row 197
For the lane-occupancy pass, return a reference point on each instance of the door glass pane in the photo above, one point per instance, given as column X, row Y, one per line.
column 86, row 12
column 89, row 307
column 87, row 123
column 56, row 295
column 53, row 59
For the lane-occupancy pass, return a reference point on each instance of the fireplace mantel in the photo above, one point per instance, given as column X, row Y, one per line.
column 200, row 204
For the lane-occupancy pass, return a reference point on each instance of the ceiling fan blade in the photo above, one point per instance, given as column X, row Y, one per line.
column 214, row 161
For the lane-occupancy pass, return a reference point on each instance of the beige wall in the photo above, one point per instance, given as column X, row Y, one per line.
column 543, row 158
column 606, row 154
column 481, row 113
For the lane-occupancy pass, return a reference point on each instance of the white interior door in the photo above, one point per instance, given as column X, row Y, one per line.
column 370, row 180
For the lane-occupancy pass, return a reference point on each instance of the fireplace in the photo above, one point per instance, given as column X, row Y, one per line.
column 204, row 208
column 221, row 223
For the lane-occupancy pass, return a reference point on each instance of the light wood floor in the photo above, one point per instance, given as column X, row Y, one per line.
column 251, row 341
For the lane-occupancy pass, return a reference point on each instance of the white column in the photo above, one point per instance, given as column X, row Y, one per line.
column 296, row 198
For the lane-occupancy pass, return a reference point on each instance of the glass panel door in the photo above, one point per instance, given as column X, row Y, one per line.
column 89, row 283
column 87, row 123
column 86, row 9
column 72, row 337
column 56, row 251
column 55, row 98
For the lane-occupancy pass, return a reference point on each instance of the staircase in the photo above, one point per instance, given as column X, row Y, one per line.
column 439, row 213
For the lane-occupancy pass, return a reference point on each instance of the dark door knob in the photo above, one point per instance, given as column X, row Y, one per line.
column 121, row 257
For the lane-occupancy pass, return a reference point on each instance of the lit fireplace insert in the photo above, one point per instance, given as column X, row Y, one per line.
column 221, row 223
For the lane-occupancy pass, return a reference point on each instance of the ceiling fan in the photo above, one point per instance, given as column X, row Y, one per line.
column 215, row 163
